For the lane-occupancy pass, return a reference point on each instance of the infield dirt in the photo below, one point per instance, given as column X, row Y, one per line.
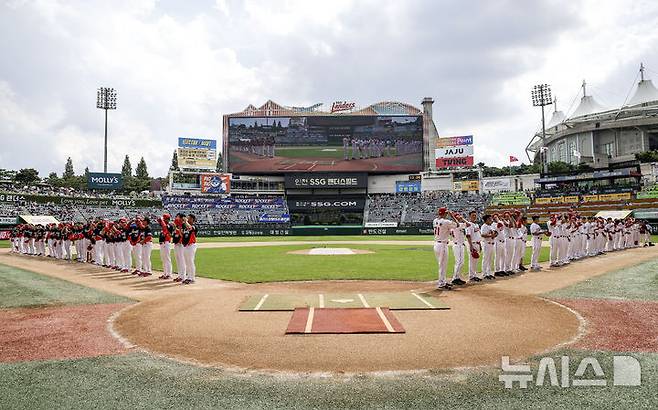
column 201, row 323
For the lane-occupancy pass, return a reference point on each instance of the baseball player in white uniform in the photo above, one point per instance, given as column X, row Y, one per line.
column 442, row 228
column 458, row 248
column 488, row 235
column 537, row 233
column 474, row 246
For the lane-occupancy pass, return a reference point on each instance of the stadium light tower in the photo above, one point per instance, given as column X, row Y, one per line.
column 106, row 99
column 541, row 97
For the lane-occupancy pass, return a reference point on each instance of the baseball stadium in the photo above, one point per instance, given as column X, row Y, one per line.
column 343, row 257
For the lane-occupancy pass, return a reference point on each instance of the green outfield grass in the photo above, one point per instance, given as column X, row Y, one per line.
column 146, row 382
column 19, row 287
column 334, row 152
column 273, row 263
column 638, row 282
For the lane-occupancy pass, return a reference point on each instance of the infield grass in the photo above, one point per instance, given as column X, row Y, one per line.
column 146, row 382
column 21, row 288
column 273, row 263
column 639, row 282
column 334, row 152
column 353, row 238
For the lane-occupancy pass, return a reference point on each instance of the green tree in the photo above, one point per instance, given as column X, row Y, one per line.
column 559, row 166
column 220, row 163
column 141, row 171
column 127, row 168
column 53, row 179
column 86, row 175
column 27, row 176
column 68, row 169
column 174, row 161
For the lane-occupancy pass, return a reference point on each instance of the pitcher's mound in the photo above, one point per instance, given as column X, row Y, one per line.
column 329, row 251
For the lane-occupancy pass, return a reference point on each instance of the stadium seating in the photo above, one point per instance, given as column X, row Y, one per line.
column 419, row 209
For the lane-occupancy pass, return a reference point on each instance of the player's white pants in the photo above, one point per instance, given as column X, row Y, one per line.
column 137, row 252
column 165, row 257
column 99, row 249
column 536, row 248
column 67, row 249
column 487, row 256
column 519, row 253
column 458, row 252
column 473, row 262
column 554, row 253
column 590, row 246
column 190, row 266
column 500, row 256
column 179, row 253
column 441, row 254
column 126, row 259
column 146, row 256
column 509, row 254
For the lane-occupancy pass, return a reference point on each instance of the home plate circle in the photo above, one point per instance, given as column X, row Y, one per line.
column 329, row 251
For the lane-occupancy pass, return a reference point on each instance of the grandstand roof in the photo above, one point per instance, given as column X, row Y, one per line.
column 557, row 118
column 588, row 105
column 271, row 108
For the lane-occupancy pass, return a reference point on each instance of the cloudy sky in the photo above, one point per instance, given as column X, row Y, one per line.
column 179, row 65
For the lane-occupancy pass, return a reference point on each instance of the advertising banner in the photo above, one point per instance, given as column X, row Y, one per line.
column 496, row 185
column 380, row 225
column 454, row 162
column 278, row 219
column 615, row 197
column 7, row 220
column 454, row 152
column 471, row 185
column 573, row 199
column 102, row 180
column 326, row 180
column 454, row 141
column 39, row 219
column 549, row 200
column 70, row 200
column 407, row 186
column 197, row 153
column 590, row 198
column 215, row 183
column 310, row 203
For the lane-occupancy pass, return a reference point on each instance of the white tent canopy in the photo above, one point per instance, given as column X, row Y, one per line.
column 645, row 92
column 588, row 105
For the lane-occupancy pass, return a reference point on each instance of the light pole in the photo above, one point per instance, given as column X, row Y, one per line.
column 541, row 97
column 106, row 99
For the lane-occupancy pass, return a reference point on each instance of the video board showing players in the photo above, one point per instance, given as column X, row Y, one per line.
column 373, row 144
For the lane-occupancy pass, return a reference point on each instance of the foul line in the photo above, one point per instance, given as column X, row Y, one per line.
column 309, row 320
column 363, row 300
column 384, row 319
column 422, row 300
column 262, row 300
column 321, row 296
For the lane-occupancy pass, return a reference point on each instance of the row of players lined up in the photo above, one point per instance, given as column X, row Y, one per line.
column 501, row 241
column 115, row 244
column 377, row 148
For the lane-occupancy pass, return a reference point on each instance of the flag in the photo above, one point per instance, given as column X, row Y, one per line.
column 513, row 159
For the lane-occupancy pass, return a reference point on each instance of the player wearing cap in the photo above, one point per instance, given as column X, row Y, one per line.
column 499, row 259
column 458, row 246
column 536, row 232
column 475, row 247
column 189, row 251
column 179, row 250
column 442, row 228
column 488, row 234
column 166, row 229
column 135, row 242
column 521, row 236
column 146, row 239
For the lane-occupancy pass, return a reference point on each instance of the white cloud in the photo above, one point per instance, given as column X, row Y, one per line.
column 177, row 70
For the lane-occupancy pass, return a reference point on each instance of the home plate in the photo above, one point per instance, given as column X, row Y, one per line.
column 342, row 321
